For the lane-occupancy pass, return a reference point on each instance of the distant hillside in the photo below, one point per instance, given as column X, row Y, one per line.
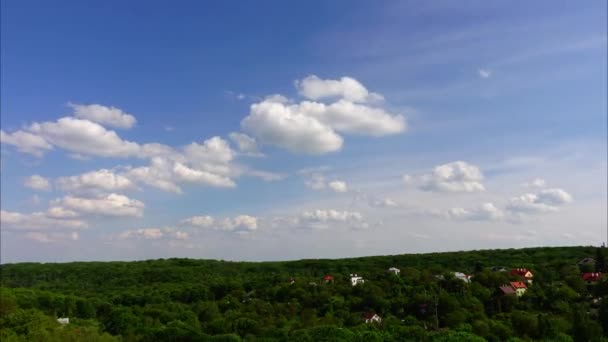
column 314, row 299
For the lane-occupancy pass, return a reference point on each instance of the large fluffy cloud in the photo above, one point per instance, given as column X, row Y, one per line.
column 104, row 205
column 109, row 116
column 84, row 137
column 93, row 181
column 37, row 182
column 26, row 142
column 312, row 127
column 240, row 223
column 457, row 176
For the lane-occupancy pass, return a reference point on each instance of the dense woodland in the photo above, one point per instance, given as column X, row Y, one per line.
column 207, row 300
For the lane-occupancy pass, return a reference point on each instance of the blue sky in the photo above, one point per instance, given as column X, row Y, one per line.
column 141, row 130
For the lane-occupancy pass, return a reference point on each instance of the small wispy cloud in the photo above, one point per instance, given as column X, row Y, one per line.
column 484, row 73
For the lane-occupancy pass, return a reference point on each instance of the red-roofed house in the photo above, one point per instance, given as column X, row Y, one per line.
column 592, row 277
column 507, row 289
column 524, row 273
column 328, row 278
column 519, row 287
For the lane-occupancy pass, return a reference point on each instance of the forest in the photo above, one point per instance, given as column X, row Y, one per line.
column 314, row 299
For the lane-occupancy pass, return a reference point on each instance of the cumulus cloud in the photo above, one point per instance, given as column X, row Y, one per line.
column 158, row 175
column 246, row 144
column 485, row 212
column 312, row 127
column 103, row 205
column 26, row 142
column 84, row 137
column 315, row 88
column 37, row 182
column 456, row 176
column 324, row 218
column 383, row 203
column 109, row 116
column 95, row 181
column 38, row 221
column 186, row 174
column 238, row 223
column 544, row 201
column 338, row 186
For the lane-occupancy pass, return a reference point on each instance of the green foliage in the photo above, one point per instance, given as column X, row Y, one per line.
column 206, row 300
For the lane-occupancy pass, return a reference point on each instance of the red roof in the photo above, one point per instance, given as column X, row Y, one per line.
column 328, row 277
column 592, row 276
column 518, row 285
column 520, row 271
column 507, row 289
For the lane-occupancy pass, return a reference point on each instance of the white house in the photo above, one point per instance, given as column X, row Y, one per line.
column 394, row 270
column 63, row 320
column 372, row 318
column 464, row 277
column 356, row 280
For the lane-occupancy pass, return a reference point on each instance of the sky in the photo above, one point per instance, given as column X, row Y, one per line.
column 320, row 129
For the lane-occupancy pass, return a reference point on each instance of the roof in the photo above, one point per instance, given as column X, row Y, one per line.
column 592, row 276
column 520, row 271
column 369, row 315
column 328, row 277
column 518, row 285
column 507, row 289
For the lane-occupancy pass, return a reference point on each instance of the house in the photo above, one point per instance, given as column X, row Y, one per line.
column 328, row 278
column 519, row 287
column 507, row 289
column 586, row 261
column 462, row 276
column 523, row 273
column 356, row 280
column 372, row 318
column 592, row 277
column 63, row 321
column 394, row 270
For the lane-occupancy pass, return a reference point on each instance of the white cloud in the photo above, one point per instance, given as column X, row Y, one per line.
column 158, row 175
column 383, row 203
column 544, row 201
column 484, row 73
column 199, row 221
column 26, row 142
column 348, row 88
column 169, row 233
column 61, row 213
column 485, row 212
column 109, row 116
column 37, row 182
column 187, row 174
column 37, row 221
column 456, row 176
column 324, row 218
column 274, row 123
column 105, row 205
column 239, row 223
column 84, row 137
column 246, row 144
column 338, row 186
column 536, row 183
column 94, row 181
column 311, row 127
